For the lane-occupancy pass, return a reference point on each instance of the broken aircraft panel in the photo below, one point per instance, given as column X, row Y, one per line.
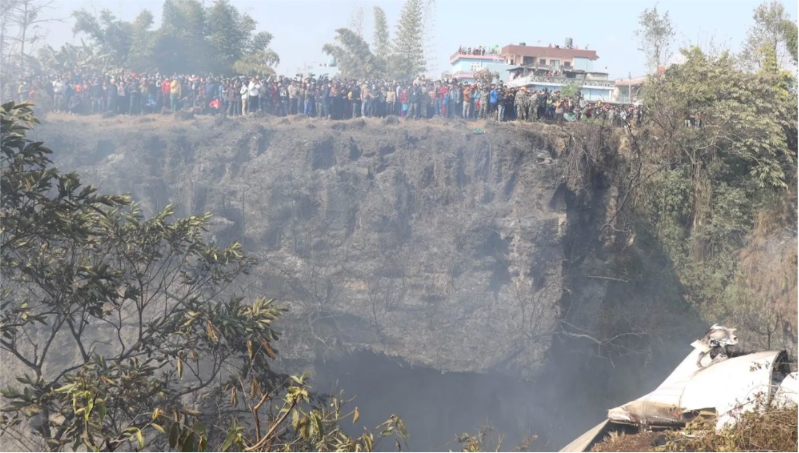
column 711, row 381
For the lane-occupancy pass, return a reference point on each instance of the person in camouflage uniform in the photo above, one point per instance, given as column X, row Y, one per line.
column 541, row 105
column 532, row 106
column 519, row 102
column 484, row 93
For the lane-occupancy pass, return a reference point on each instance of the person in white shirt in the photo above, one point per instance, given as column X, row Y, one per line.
column 293, row 98
column 245, row 93
column 255, row 94
column 58, row 94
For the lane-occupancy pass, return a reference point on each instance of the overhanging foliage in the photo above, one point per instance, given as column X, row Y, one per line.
column 128, row 332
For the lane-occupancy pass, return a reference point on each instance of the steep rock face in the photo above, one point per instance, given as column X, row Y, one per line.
column 430, row 241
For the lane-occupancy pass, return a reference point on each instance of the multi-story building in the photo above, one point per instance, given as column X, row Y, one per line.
column 463, row 65
column 537, row 67
column 550, row 58
column 554, row 67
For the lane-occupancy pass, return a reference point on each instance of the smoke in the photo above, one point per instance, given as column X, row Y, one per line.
column 436, row 407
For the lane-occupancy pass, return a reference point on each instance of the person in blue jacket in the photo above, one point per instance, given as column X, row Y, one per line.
column 493, row 98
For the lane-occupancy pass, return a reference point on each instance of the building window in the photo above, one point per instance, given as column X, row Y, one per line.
column 542, row 62
column 528, row 60
column 567, row 64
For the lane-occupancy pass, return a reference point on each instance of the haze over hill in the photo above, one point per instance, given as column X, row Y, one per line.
column 456, row 253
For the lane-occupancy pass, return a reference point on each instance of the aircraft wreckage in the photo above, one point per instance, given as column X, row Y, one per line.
column 713, row 380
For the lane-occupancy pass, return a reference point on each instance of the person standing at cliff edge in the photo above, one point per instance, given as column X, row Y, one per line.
column 174, row 93
column 254, row 91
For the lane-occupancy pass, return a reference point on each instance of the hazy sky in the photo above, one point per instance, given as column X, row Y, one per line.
column 301, row 27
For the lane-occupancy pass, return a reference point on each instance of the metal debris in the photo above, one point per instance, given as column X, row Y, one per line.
column 710, row 382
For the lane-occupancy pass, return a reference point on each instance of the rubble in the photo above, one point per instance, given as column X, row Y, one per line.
column 711, row 382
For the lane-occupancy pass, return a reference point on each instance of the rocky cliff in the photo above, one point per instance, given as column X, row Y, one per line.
column 460, row 250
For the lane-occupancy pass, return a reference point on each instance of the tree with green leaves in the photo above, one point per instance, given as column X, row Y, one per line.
column 141, row 43
column 408, row 60
column 192, row 37
column 180, row 44
column 258, row 58
column 737, row 123
column 69, row 57
column 109, row 35
column 258, row 62
column 655, row 36
column 125, row 332
column 123, row 44
column 570, row 90
column 23, row 28
column 229, row 32
column 429, row 32
column 772, row 35
column 356, row 20
column 789, row 32
column 353, row 56
column 716, row 156
column 382, row 38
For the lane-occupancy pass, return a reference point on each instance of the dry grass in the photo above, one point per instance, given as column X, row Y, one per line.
column 642, row 441
column 158, row 120
column 771, row 430
column 774, row 429
column 300, row 122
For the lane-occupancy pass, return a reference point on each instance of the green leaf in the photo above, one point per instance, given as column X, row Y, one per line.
column 199, row 428
column 188, row 443
column 231, row 435
column 174, row 433
column 140, row 439
column 158, row 428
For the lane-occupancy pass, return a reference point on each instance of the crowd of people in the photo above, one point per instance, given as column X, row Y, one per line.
column 138, row 94
column 479, row 50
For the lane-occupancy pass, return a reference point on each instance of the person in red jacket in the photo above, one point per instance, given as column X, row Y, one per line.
column 442, row 98
column 165, row 90
column 404, row 103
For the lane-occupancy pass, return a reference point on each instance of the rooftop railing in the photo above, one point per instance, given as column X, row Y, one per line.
column 457, row 55
column 527, row 80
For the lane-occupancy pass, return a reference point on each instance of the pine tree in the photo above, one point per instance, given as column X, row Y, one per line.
column 356, row 20
column 429, row 33
column 382, row 40
column 408, row 60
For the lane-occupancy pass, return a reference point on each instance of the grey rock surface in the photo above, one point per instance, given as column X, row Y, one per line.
column 421, row 240
column 424, row 242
